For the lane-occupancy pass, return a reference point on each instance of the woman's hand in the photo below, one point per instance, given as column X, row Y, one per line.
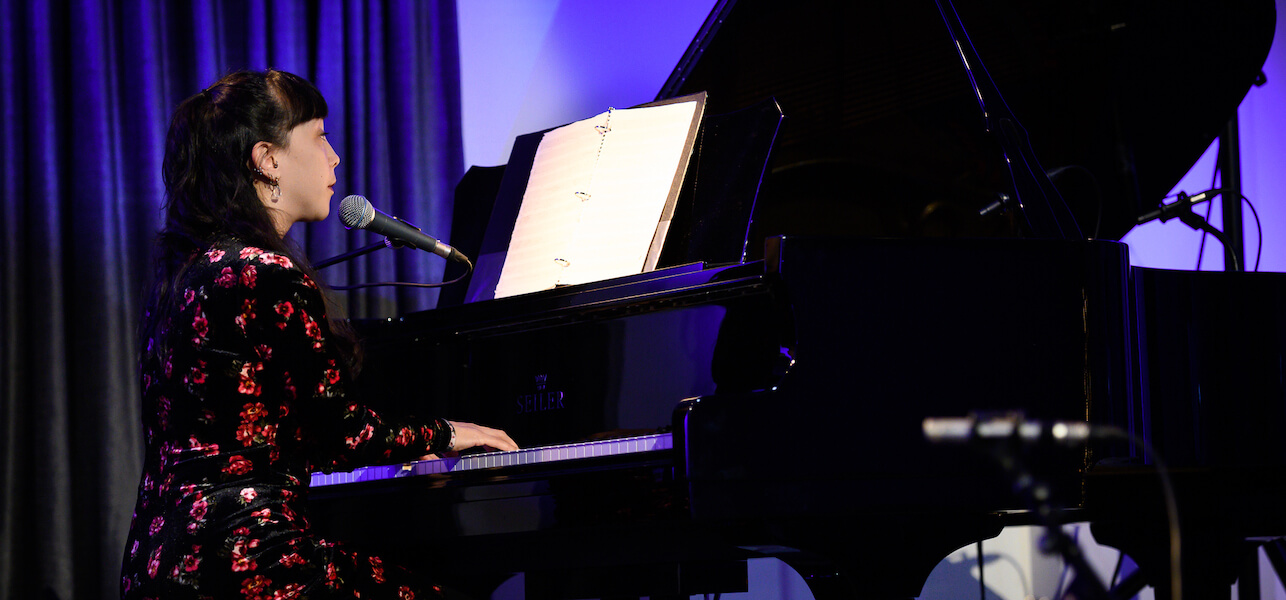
column 468, row 435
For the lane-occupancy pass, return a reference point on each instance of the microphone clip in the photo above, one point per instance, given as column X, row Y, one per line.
column 1180, row 208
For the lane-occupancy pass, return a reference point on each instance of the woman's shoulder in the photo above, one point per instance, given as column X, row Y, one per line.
column 234, row 250
column 230, row 262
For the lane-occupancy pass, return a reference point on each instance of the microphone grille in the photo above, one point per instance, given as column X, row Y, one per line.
column 355, row 212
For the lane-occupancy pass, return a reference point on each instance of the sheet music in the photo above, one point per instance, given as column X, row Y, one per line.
column 597, row 190
column 551, row 211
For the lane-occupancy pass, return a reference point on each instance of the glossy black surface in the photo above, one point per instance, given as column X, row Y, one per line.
column 874, row 350
column 888, row 332
column 821, row 462
column 714, row 213
column 1212, row 406
column 571, row 363
column 1214, row 346
column 885, row 137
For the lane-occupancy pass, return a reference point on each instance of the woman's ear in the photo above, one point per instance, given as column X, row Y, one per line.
column 263, row 159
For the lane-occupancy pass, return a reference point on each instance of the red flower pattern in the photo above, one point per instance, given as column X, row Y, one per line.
column 154, row 562
column 207, row 449
column 199, row 506
column 292, row 590
column 365, row 434
column 231, row 413
column 192, row 562
column 285, row 309
column 311, row 329
column 238, row 465
column 405, row 436
column 248, row 385
column 197, row 375
column 276, row 259
column 247, row 313
column 200, row 325
column 227, row 278
column 254, row 587
column 248, row 276
column 241, row 559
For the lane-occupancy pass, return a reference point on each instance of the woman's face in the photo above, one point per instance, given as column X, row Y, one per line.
column 307, row 175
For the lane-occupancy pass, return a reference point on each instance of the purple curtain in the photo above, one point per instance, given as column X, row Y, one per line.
column 86, row 89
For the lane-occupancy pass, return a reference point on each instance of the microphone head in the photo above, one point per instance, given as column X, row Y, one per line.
column 355, row 212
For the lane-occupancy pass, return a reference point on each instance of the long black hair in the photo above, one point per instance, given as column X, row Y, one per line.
column 210, row 184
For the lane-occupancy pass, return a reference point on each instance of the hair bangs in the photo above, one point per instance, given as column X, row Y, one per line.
column 299, row 99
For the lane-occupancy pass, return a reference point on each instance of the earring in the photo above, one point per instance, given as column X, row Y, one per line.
column 276, row 182
column 273, row 182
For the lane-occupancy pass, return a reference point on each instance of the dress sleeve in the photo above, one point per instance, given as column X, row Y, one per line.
column 338, row 431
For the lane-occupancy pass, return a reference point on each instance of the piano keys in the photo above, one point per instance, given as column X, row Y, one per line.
column 499, row 460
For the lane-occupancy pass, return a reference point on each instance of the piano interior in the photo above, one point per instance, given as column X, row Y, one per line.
column 828, row 285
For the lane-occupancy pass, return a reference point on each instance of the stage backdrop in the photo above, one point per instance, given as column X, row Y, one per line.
column 86, row 90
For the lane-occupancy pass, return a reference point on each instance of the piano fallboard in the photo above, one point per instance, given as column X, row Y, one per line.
column 567, row 364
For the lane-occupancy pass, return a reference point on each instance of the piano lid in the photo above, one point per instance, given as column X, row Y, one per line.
column 884, row 138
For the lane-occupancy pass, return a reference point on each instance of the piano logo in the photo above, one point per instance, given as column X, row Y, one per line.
column 542, row 399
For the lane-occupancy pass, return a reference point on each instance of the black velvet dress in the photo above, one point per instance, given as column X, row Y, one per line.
column 243, row 398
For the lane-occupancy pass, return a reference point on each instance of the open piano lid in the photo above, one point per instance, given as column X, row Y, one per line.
column 884, row 138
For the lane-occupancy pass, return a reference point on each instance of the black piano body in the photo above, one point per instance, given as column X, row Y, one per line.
column 810, row 370
column 1211, row 404
column 802, row 439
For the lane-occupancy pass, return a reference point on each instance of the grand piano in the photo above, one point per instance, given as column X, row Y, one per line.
column 768, row 398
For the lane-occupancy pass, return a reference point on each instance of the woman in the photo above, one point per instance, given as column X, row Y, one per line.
column 244, row 375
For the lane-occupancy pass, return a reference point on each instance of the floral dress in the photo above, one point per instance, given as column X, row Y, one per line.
column 243, row 398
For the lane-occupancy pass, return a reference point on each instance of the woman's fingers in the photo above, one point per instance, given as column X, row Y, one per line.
column 470, row 435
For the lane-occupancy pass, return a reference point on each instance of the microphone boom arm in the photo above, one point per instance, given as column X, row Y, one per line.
column 364, row 250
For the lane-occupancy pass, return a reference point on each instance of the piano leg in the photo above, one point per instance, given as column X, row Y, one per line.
column 1211, row 556
column 664, row 579
column 880, row 558
column 1276, row 552
column 1218, row 512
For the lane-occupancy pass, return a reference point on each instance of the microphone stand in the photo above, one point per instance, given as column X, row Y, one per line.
column 385, row 243
column 1182, row 209
column 1038, row 200
column 1085, row 584
column 1037, row 495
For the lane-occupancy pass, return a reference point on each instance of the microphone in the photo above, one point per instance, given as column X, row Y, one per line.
column 1000, row 204
column 355, row 212
column 1005, row 426
column 1165, row 212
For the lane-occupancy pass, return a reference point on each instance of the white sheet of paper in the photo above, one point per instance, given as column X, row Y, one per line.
column 550, row 209
column 627, row 173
